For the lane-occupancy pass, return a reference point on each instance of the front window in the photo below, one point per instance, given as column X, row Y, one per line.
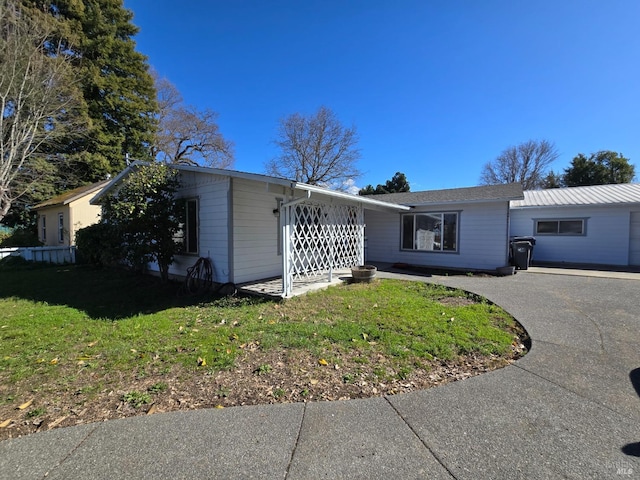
column 560, row 227
column 433, row 232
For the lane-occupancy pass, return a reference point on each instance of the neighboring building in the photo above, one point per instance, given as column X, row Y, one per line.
column 61, row 217
column 598, row 224
column 462, row 228
column 255, row 227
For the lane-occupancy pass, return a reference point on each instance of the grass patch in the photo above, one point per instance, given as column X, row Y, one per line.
column 79, row 331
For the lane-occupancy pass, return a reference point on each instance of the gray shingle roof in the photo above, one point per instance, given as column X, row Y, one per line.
column 485, row 193
column 623, row 193
column 72, row 195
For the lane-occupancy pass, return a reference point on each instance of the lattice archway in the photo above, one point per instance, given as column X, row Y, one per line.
column 319, row 238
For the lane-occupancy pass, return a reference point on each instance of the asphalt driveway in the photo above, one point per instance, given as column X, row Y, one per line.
column 569, row 409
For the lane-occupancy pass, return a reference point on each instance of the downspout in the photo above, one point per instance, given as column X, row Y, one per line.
column 287, row 278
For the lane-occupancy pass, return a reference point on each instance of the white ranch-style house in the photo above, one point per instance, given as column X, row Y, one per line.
column 256, row 227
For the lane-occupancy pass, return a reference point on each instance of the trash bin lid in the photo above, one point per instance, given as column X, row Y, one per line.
column 531, row 240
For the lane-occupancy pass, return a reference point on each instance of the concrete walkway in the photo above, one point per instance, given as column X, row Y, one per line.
column 569, row 409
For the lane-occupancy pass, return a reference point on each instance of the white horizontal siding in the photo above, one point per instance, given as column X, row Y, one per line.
column 606, row 240
column 255, row 232
column 482, row 238
column 213, row 233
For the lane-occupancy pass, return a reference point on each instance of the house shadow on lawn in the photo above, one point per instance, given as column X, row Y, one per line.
column 103, row 293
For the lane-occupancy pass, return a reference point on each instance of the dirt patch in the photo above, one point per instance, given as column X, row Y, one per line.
column 258, row 377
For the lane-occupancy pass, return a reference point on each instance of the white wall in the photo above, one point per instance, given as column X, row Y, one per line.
column 606, row 241
column 212, row 192
column 483, row 238
column 255, row 232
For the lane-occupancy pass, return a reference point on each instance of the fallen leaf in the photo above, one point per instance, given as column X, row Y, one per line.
column 202, row 362
column 313, row 381
column 218, row 406
column 133, row 350
column 57, row 422
column 322, row 361
column 54, row 361
column 5, row 423
column 92, row 344
column 25, row 405
column 152, row 410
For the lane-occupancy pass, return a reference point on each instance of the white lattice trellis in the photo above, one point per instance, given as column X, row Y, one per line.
column 320, row 238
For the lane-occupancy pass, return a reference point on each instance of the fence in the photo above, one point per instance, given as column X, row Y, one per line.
column 58, row 255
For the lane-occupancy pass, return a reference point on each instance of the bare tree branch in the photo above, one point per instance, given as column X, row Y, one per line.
column 38, row 98
column 186, row 134
column 526, row 163
column 317, row 150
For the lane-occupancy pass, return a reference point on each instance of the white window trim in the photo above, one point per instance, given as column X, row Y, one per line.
column 557, row 232
column 188, row 228
column 60, row 227
column 441, row 213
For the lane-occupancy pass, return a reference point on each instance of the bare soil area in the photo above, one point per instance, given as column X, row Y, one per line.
column 258, row 377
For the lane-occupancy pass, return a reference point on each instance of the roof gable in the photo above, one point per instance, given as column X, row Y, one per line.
column 622, row 193
column 72, row 195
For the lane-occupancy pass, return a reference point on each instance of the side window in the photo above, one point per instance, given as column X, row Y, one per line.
column 191, row 226
column 561, row 226
column 60, row 227
column 44, row 228
column 187, row 236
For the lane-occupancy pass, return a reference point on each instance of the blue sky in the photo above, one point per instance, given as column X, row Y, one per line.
column 436, row 88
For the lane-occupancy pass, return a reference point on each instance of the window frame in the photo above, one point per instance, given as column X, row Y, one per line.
column 442, row 214
column 186, row 233
column 191, row 233
column 60, row 227
column 558, row 222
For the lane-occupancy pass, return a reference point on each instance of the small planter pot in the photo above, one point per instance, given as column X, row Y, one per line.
column 504, row 271
column 363, row 273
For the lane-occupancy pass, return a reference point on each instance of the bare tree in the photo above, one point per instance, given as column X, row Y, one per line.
column 186, row 134
column 39, row 100
column 316, row 149
column 526, row 163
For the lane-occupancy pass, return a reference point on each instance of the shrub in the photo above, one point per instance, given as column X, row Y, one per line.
column 99, row 245
column 20, row 237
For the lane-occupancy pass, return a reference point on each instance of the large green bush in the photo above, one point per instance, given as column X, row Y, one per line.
column 99, row 245
column 19, row 237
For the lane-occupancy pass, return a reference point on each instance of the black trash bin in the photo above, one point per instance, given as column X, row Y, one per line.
column 531, row 240
column 521, row 254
